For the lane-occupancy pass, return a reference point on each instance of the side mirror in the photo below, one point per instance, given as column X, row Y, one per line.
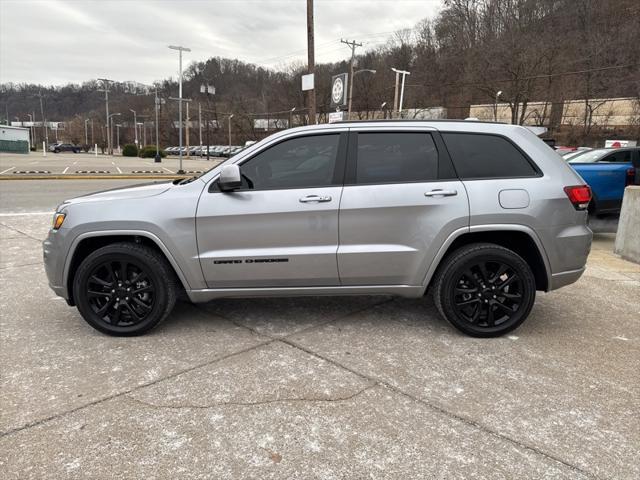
column 230, row 178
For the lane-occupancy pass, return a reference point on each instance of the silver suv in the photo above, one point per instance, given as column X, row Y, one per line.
column 483, row 215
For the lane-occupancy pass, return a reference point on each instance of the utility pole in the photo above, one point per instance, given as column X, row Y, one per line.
column 105, row 89
column 311, row 94
column 92, row 137
column 44, row 124
column 180, row 49
column 352, row 45
column 395, row 95
column 86, row 132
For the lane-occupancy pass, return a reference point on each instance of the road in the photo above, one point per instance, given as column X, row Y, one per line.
column 18, row 196
column 83, row 163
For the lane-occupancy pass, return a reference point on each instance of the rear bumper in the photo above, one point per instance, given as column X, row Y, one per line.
column 562, row 279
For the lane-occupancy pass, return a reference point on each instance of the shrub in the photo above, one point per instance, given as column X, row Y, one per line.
column 130, row 150
column 150, row 152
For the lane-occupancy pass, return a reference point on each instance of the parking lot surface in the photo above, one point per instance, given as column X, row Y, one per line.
column 349, row 387
column 86, row 163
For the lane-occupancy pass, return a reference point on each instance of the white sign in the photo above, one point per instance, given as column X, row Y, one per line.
column 307, row 82
column 336, row 117
column 619, row 143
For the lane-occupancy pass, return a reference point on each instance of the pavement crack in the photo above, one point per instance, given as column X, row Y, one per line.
column 443, row 411
column 254, row 403
column 98, row 401
column 20, row 232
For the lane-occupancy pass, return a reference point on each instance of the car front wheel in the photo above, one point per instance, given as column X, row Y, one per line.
column 484, row 290
column 124, row 289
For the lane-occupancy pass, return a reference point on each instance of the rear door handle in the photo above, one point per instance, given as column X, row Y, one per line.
column 315, row 199
column 441, row 193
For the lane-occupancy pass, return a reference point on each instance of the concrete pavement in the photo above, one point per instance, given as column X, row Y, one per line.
column 350, row 387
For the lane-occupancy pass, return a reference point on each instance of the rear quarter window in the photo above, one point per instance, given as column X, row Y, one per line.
column 486, row 156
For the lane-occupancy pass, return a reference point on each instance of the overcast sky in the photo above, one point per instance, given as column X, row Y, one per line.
column 61, row 41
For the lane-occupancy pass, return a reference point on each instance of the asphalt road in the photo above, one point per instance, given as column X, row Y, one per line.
column 18, row 196
column 73, row 163
column 332, row 388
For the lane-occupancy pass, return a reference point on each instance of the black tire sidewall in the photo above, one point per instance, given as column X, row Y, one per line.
column 116, row 253
column 459, row 262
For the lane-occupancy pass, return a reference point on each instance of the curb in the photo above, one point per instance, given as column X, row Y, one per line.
column 93, row 177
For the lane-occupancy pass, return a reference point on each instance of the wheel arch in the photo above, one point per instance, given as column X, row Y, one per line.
column 518, row 238
column 88, row 242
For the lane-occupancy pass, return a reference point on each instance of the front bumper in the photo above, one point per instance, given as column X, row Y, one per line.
column 54, row 258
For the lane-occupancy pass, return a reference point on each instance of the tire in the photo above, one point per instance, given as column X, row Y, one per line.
column 484, row 290
column 56, row 151
column 100, row 285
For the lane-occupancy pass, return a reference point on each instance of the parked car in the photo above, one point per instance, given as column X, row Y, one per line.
column 607, row 171
column 64, row 147
column 480, row 214
column 574, row 153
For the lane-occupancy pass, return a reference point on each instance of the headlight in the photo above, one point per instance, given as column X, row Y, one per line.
column 58, row 220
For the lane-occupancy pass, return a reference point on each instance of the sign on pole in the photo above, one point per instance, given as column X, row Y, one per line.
column 307, row 82
column 339, row 90
column 336, row 117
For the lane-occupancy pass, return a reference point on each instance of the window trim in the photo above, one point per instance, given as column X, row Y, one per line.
column 338, row 169
column 352, row 157
column 536, row 169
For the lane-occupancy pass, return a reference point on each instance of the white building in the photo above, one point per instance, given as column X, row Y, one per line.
column 14, row 139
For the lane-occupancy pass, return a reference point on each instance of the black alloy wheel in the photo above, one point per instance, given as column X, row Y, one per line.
column 120, row 292
column 124, row 289
column 485, row 290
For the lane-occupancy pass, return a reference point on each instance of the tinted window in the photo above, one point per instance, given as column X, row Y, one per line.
column 620, row 156
column 296, row 163
column 486, row 156
column 396, row 157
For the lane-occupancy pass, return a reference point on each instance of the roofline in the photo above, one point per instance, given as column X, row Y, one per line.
column 408, row 120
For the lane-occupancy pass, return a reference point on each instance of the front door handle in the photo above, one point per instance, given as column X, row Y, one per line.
column 315, row 199
column 441, row 193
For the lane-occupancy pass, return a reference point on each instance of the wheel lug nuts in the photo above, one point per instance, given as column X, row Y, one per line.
column 117, row 299
column 113, row 291
column 494, row 296
column 126, row 298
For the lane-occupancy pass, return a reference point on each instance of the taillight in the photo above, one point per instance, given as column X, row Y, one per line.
column 631, row 177
column 579, row 196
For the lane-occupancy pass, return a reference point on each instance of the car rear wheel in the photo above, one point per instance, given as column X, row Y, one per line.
column 124, row 289
column 484, row 290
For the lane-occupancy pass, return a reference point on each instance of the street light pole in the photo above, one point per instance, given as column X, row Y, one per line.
column 110, row 129
column 291, row 117
column 230, row 117
column 180, row 49
column 158, row 158
column 86, row 132
column 404, row 74
column 118, row 135
column 135, row 126
column 495, row 106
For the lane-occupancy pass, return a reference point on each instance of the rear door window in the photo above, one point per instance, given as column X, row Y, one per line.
column 389, row 157
column 486, row 156
column 622, row 156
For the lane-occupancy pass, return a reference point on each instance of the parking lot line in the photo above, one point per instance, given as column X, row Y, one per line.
column 5, row 171
column 170, row 171
column 24, row 214
column 65, row 170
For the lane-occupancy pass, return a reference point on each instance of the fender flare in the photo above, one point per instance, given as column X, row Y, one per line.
column 133, row 233
column 497, row 227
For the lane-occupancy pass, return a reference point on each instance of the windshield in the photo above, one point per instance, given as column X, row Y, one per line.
column 590, row 156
